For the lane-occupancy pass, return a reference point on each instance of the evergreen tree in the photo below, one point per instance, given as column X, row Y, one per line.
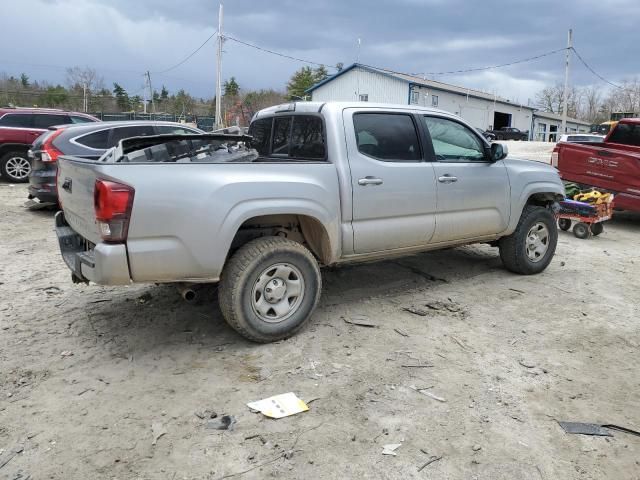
column 231, row 87
column 24, row 80
column 304, row 79
column 122, row 97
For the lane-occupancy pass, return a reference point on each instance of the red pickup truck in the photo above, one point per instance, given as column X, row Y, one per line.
column 613, row 165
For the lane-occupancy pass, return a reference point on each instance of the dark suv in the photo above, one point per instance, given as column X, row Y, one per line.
column 19, row 127
column 88, row 141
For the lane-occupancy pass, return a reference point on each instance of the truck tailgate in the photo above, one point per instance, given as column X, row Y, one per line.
column 76, row 183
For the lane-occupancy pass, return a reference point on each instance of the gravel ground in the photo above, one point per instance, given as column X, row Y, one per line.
column 538, row 151
column 476, row 380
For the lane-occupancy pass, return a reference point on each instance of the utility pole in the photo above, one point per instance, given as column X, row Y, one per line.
column 153, row 102
column 219, row 74
column 566, row 82
column 84, row 97
column 144, row 95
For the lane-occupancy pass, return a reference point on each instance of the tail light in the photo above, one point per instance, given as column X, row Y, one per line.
column 554, row 158
column 113, row 203
column 49, row 152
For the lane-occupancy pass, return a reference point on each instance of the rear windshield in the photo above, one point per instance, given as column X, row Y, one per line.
column 626, row 134
column 191, row 150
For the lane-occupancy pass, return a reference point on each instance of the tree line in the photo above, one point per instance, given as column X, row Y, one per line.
column 592, row 103
column 238, row 104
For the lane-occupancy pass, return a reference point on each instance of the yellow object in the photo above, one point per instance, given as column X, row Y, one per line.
column 594, row 197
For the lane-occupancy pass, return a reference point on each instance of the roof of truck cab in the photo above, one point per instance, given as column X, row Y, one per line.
column 316, row 107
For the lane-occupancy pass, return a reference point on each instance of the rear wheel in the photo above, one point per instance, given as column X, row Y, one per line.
column 597, row 229
column 269, row 289
column 581, row 230
column 15, row 167
column 530, row 248
column 564, row 224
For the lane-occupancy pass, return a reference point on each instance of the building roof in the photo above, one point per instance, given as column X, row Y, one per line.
column 421, row 81
column 555, row 116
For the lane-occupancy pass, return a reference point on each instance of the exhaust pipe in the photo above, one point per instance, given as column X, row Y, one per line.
column 187, row 292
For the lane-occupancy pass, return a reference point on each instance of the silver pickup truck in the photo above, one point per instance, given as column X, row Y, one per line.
column 314, row 184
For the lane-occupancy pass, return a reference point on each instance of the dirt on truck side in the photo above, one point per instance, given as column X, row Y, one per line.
column 466, row 366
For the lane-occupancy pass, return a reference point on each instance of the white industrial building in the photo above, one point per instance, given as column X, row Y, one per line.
column 480, row 109
column 546, row 126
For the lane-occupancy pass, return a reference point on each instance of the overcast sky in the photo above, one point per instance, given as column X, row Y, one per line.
column 123, row 38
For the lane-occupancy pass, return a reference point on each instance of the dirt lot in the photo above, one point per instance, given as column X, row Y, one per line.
column 86, row 370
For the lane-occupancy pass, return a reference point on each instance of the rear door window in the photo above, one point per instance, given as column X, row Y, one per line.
column 17, row 120
column 98, row 140
column 388, row 137
column 46, row 120
column 120, row 133
column 77, row 119
column 177, row 130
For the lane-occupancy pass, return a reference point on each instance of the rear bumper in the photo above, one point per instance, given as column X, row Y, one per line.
column 103, row 263
column 42, row 181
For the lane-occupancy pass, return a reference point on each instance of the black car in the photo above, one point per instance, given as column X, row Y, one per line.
column 510, row 133
column 86, row 141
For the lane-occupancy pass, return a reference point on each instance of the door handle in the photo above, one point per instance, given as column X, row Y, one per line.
column 446, row 178
column 67, row 185
column 604, row 153
column 369, row 181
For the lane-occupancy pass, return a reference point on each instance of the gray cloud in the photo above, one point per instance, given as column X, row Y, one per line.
column 122, row 39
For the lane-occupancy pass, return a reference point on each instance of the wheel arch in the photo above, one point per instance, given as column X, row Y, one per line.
column 307, row 223
column 11, row 147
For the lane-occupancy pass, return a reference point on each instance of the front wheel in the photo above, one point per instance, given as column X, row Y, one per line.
column 269, row 289
column 530, row 248
column 15, row 167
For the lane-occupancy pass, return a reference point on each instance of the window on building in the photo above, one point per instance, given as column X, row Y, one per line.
column 386, row 136
column 434, row 100
column 364, row 97
column 453, row 142
column 415, row 97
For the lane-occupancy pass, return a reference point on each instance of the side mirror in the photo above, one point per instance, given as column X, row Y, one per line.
column 498, row 151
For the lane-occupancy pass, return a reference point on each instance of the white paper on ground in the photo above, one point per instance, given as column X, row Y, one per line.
column 279, row 406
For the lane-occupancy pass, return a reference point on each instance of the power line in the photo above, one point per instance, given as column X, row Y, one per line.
column 226, row 37
column 588, row 67
column 188, row 57
column 491, row 67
